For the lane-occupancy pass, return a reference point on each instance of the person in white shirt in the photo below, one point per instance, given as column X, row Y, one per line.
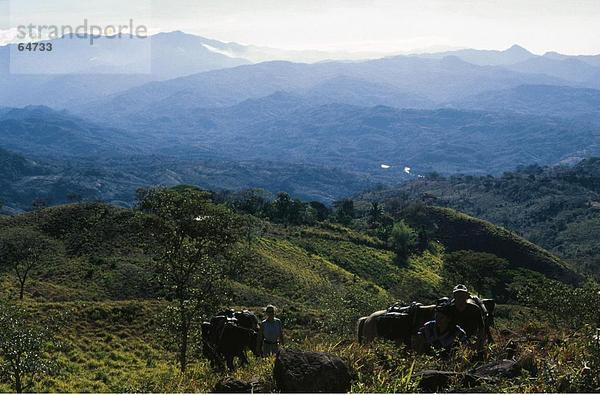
column 271, row 332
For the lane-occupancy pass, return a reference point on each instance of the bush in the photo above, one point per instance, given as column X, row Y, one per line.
column 403, row 240
column 23, row 347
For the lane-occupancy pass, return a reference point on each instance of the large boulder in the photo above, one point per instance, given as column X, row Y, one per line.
column 300, row 371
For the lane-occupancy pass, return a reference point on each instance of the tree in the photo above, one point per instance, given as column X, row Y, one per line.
column 344, row 211
column 22, row 250
column 286, row 210
column 322, row 211
column 22, row 348
column 395, row 205
column 375, row 215
column 193, row 236
column 252, row 201
column 252, row 228
column 403, row 240
column 422, row 240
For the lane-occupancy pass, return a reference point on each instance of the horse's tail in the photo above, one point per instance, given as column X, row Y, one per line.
column 359, row 328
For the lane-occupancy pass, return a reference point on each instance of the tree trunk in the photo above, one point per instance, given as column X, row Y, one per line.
column 22, row 289
column 183, row 346
column 18, row 385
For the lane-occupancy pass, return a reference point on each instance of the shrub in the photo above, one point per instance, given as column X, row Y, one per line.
column 403, row 240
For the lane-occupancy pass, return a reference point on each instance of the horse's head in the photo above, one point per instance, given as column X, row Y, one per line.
column 205, row 328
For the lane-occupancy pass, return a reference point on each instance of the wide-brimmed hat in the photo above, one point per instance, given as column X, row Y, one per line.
column 460, row 288
column 270, row 306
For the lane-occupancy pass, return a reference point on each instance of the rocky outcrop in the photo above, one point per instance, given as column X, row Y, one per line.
column 312, row 372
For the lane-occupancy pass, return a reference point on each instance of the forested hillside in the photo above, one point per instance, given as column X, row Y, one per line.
column 554, row 207
column 99, row 269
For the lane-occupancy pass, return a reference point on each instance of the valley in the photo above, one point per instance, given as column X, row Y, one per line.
column 134, row 206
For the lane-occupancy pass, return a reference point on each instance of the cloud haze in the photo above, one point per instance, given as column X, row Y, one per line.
column 569, row 27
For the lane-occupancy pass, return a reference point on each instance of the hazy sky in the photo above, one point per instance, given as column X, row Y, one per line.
column 567, row 26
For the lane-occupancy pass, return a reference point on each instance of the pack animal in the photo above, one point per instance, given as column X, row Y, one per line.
column 230, row 335
column 398, row 323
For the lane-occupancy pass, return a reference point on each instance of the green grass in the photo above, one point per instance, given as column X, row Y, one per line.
column 110, row 347
column 322, row 278
column 458, row 231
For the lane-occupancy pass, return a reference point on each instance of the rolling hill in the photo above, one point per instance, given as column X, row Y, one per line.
column 437, row 80
column 41, row 131
column 98, row 287
column 457, row 232
column 289, row 128
column 552, row 101
column 287, row 264
column 554, row 207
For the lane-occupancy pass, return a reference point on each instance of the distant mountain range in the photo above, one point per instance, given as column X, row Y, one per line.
column 76, row 73
column 512, row 55
column 433, row 81
column 288, row 128
column 41, row 131
column 548, row 100
column 205, row 101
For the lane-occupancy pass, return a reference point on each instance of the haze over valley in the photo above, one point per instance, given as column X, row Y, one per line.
column 205, row 101
column 284, row 196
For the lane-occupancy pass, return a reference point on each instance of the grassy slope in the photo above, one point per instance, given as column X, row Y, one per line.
column 553, row 207
column 103, row 258
column 458, row 231
column 101, row 281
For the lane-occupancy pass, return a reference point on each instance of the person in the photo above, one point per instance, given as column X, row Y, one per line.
column 467, row 314
column 441, row 333
column 271, row 332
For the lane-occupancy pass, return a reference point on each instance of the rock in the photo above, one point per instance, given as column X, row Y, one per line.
column 300, row 371
column 434, row 380
column 506, row 368
column 234, row 386
column 528, row 362
column 437, row 380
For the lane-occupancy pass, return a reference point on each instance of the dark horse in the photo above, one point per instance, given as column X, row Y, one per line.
column 399, row 323
column 229, row 335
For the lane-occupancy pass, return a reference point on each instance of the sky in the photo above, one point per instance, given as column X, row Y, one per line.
column 565, row 26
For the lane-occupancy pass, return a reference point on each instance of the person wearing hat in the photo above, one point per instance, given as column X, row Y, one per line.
column 467, row 314
column 271, row 332
column 441, row 333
